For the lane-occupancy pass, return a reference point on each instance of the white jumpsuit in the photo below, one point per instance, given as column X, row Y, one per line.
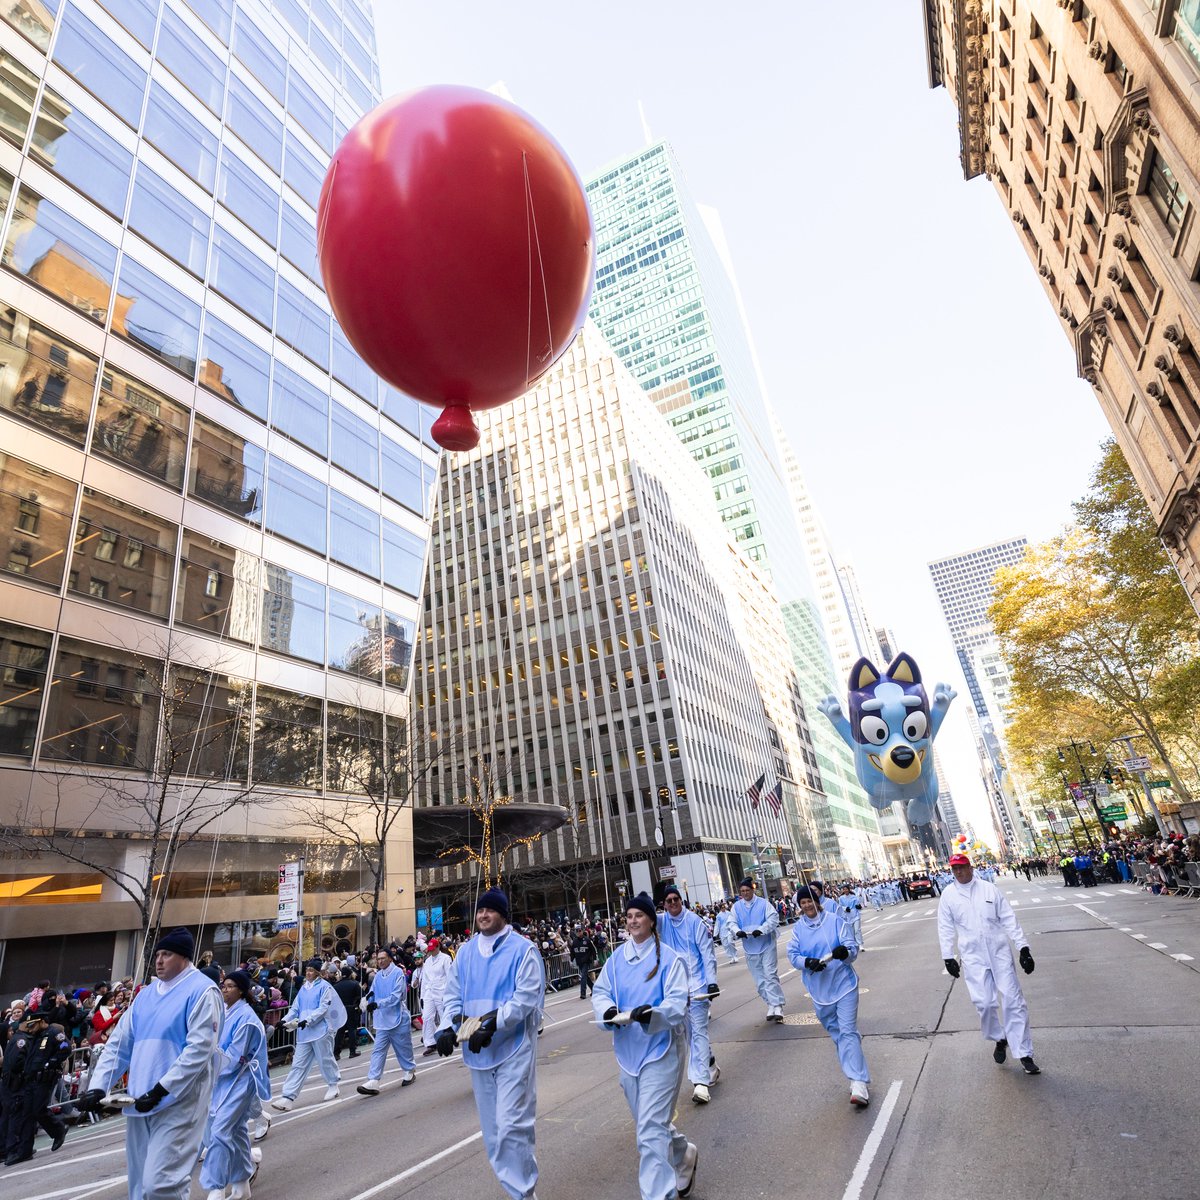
column 983, row 921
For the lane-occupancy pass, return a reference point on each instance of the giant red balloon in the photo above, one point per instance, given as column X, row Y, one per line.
column 457, row 251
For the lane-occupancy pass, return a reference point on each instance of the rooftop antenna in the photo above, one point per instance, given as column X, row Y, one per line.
column 646, row 134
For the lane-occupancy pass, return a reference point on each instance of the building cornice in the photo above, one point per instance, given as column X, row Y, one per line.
column 971, row 83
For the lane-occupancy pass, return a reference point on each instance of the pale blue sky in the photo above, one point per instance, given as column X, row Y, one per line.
column 907, row 343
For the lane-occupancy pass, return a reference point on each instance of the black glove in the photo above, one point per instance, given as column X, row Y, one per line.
column 840, row 952
column 813, row 964
column 741, row 933
column 610, row 1012
column 757, row 933
column 642, row 1014
column 1026, row 960
column 89, row 1101
column 148, row 1100
column 951, row 966
column 446, row 1041
column 483, row 1035
column 714, row 990
column 302, row 1025
column 372, row 1007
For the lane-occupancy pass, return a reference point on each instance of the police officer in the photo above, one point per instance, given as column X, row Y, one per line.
column 583, row 951
column 32, row 1066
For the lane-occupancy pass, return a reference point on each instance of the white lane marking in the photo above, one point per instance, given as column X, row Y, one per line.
column 64, row 1163
column 1035, row 900
column 1157, row 945
column 1027, row 889
column 890, row 916
column 1183, row 958
column 387, row 1183
column 1014, row 903
column 67, row 1191
column 871, row 1148
column 1139, row 935
column 1104, row 893
column 1126, row 928
column 96, row 1190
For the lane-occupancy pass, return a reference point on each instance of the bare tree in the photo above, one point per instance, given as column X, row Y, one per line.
column 172, row 741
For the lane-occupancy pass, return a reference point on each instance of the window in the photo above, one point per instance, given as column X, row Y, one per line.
column 35, row 21
column 61, row 255
column 171, row 129
column 292, row 612
column 303, row 324
column 298, row 243
column 49, row 381
column 296, row 505
column 216, row 14
column 1165, row 192
column 355, row 445
column 356, row 750
column 97, row 63
column 235, row 368
column 24, row 657
column 254, row 48
column 300, row 410
column 209, row 733
column 401, row 408
column 251, row 120
column 288, row 739
column 139, row 427
column 227, row 471
column 242, row 277
column 402, row 476
column 355, row 636
column 353, row 535
column 218, row 589
column 158, row 318
column 168, row 221
column 350, row 369
column 138, row 16
column 302, row 172
column 403, row 558
column 16, row 99
column 79, row 151
column 398, row 634
column 29, row 514
column 40, row 503
column 191, row 62
column 311, row 112
column 248, row 197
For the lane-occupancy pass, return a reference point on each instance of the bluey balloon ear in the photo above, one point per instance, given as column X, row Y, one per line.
column 862, row 675
column 904, row 669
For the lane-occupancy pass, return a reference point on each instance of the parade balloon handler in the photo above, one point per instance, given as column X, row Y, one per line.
column 642, row 996
column 726, row 932
column 242, row 1083
column 974, row 912
column 387, row 1002
column 494, row 996
column 756, row 922
column 460, row 304
column 690, row 938
column 311, row 1015
column 822, row 948
column 167, row 1042
column 891, row 728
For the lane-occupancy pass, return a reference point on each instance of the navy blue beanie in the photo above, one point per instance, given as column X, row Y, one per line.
column 494, row 899
column 178, row 941
column 643, row 903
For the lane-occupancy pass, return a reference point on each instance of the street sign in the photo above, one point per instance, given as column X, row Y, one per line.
column 1101, row 791
column 1114, row 812
column 291, row 877
column 1159, row 783
column 668, row 872
column 1061, row 826
column 1138, row 763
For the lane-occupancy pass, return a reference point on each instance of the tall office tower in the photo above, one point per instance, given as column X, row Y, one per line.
column 1084, row 117
column 209, row 576
column 963, row 583
column 586, row 642
column 667, row 302
column 946, row 800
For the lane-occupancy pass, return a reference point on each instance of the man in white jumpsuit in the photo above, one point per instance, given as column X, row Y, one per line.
column 167, row 1041
column 974, row 911
column 434, row 973
column 726, row 930
column 756, row 922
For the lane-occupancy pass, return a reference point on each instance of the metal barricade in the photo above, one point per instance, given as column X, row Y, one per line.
column 561, row 971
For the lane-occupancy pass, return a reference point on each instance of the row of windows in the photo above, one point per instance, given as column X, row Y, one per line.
column 109, row 707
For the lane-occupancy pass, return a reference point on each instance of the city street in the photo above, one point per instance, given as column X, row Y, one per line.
column 1115, row 1016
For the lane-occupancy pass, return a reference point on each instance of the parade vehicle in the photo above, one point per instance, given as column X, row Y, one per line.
column 921, row 887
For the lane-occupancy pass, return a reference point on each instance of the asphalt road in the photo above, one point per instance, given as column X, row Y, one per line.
column 1114, row 1004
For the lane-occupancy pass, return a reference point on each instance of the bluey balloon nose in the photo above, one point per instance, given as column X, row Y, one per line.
column 902, row 756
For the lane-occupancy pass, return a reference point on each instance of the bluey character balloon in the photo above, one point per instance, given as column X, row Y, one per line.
column 891, row 728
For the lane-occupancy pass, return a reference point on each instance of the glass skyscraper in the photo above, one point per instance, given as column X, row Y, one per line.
column 199, row 478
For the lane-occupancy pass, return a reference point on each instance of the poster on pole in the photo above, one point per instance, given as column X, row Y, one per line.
column 291, row 884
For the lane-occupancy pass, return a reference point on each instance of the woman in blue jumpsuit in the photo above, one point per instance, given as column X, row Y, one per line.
column 241, row 1079
column 822, row 948
column 649, row 981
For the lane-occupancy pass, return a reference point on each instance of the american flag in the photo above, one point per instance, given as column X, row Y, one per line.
column 754, row 792
column 775, row 798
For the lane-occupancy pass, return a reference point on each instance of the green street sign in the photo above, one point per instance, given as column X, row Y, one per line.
column 1160, row 783
column 1114, row 812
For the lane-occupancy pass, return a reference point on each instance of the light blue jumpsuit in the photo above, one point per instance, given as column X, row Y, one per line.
column 725, row 928
column 313, row 1003
column 850, row 910
column 502, row 972
column 835, row 989
column 169, row 1036
column 393, row 1024
column 650, row 1056
column 762, row 953
column 688, row 936
column 242, row 1079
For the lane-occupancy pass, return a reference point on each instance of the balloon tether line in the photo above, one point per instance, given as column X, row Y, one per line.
column 534, row 241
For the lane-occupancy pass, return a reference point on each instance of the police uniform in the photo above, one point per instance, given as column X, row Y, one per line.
column 32, row 1066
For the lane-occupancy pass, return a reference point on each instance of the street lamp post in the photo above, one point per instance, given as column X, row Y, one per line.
column 1088, row 786
column 1126, row 740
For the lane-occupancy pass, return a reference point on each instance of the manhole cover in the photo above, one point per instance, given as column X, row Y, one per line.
column 800, row 1019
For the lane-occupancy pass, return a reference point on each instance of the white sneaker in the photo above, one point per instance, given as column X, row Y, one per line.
column 700, row 1094
column 369, row 1088
column 331, row 1092
column 715, row 1072
column 686, row 1175
column 203, row 1153
column 282, row 1104
column 240, row 1191
column 859, row 1096
column 407, row 1078
column 216, row 1194
column 255, row 1156
column 261, row 1127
